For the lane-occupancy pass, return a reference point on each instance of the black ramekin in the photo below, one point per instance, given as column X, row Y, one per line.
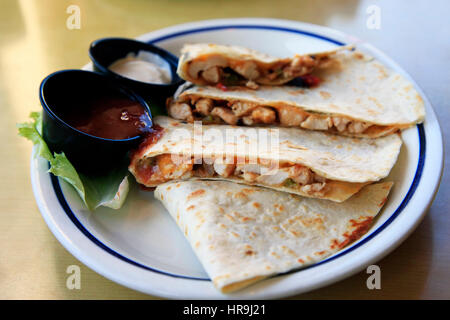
column 103, row 52
column 89, row 154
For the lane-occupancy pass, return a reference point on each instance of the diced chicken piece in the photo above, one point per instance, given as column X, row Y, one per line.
column 306, row 61
column 299, row 66
column 241, row 108
column 272, row 75
column 340, row 123
column 204, row 64
column 254, row 168
column 211, row 74
column 291, row 117
column 357, row 127
column 264, row 115
column 315, row 188
column 273, row 177
column 317, row 123
column 247, row 69
column 224, row 169
column 251, row 84
column 169, row 169
column 180, row 111
column 204, row 106
column 248, row 121
column 250, row 176
column 204, row 170
column 319, row 178
column 225, row 114
column 301, row 174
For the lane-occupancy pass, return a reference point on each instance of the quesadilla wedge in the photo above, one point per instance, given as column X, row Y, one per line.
column 308, row 163
column 357, row 97
column 210, row 64
column 244, row 234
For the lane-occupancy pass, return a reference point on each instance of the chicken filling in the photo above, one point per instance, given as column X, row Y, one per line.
column 167, row 167
column 214, row 69
column 248, row 113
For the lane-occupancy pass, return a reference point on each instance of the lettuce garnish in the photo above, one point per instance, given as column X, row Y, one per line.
column 109, row 190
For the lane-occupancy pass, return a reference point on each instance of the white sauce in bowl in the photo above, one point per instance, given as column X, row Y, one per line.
column 144, row 67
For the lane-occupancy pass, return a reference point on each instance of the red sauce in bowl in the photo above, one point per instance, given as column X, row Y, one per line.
column 115, row 118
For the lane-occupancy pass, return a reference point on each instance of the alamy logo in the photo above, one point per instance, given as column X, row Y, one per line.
column 374, row 280
column 74, row 279
column 74, row 20
column 373, row 21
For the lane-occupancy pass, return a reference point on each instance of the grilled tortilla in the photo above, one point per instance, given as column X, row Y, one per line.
column 357, row 97
column 209, row 64
column 244, row 234
column 308, row 163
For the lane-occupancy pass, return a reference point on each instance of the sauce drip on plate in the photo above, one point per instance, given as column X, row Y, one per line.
column 113, row 118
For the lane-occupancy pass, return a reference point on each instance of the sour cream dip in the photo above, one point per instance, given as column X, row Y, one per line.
column 144, row 67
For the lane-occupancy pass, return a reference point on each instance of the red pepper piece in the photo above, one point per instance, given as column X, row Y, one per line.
column 221, row 87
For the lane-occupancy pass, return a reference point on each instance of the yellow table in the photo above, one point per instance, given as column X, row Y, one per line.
column 35, row 41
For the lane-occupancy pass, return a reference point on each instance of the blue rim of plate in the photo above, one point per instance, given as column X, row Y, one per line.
column 418, row 174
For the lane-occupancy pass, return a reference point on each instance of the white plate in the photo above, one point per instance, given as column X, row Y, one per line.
column 141, row 247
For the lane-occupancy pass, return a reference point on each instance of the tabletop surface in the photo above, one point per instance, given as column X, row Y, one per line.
column 35, row 40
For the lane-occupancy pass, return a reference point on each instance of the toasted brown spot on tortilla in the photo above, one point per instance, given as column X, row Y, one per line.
column 361, row 227
column 374, row 100
column 190, row 207
column 419, row 98
column 296, row 92
column 196, row 193
column 248, row 191
column 229, row 217
column 295, row 233
column 358, row 55
column 289, row 251
column 382, row 202
column 334, row 243
column 256, row 205
column 275, row 254
column 325, row 95
column 240, row 195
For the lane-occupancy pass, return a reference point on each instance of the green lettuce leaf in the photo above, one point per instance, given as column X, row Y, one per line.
column 109, row 190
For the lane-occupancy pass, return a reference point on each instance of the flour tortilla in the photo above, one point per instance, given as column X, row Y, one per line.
column 243, row 234
column 348, row 163
column 228, row 56
column 354, row 86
